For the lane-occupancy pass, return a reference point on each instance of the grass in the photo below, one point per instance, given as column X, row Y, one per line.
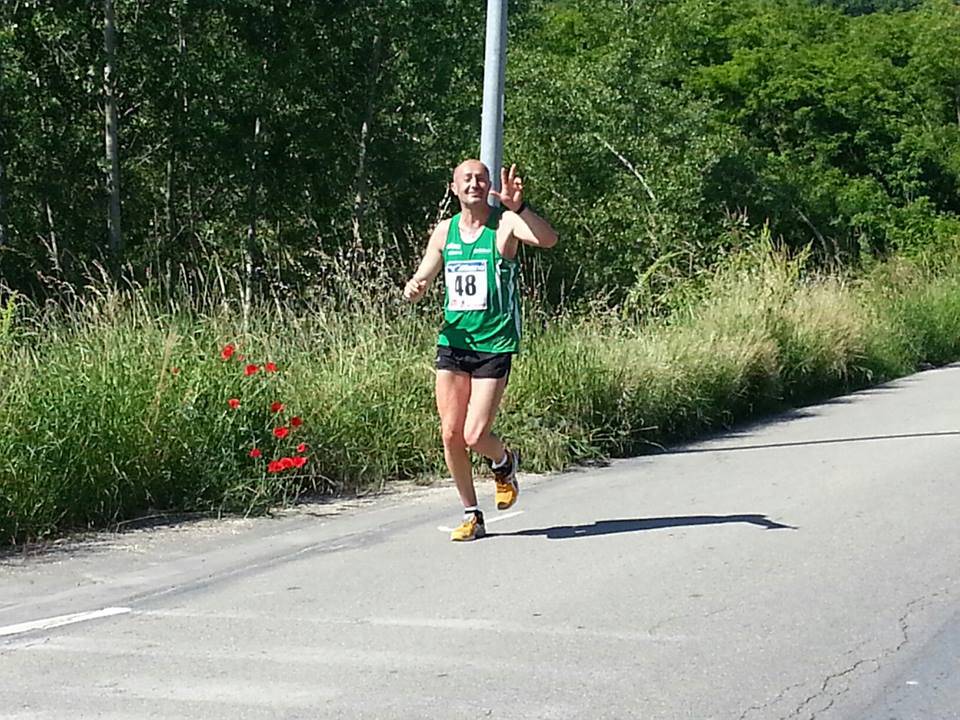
column 117, row 408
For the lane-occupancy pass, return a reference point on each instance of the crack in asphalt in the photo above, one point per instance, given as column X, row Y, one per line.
column 833, row 678
column 778, row 698
column 836, row 676
column 876, row 661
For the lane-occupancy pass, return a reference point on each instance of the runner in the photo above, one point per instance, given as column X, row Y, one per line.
column 477, row 249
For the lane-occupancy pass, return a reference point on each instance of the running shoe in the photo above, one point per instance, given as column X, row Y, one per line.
column 508, row 489
column 472, row 528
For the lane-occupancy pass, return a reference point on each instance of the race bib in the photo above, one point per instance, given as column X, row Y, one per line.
column 466, row 285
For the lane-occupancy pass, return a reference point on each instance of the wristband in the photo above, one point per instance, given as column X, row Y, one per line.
column 523, row 206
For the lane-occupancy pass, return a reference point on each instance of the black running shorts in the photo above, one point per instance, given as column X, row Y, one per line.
column 473, row 362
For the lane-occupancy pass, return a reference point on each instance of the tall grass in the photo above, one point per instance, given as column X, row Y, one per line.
column 116, row 407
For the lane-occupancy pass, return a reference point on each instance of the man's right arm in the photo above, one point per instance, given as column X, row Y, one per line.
column 430, row 265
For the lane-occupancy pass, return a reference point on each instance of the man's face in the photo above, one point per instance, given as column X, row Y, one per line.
column 471, row 183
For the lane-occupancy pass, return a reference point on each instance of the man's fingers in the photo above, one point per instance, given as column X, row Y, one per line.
column 414, row 288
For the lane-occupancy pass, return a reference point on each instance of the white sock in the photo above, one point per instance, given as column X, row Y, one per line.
column 503, row 462
column 469, row 512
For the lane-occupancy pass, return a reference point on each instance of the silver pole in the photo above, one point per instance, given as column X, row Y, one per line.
column 494, row 69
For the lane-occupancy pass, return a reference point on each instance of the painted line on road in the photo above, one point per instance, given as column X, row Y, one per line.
column 498, row 518
column 61, row 620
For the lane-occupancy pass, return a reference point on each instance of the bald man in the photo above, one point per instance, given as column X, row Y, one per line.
column 477, row 249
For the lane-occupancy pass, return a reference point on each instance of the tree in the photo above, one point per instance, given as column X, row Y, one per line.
column 865, row 7
column 111, row 146
column 616, row 150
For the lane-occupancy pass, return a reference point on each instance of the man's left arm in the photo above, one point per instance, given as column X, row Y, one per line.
column 531, row 229
column 527, row 227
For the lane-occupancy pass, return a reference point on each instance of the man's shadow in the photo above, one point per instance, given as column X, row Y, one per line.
column 610, row 527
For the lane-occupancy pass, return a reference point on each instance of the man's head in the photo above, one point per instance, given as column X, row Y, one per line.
column 471, row 183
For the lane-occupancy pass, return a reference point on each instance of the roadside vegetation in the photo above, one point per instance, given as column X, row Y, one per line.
column 119, row 406
column 758, row 204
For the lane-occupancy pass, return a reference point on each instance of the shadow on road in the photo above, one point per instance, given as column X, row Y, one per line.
column 798, row 443
column 609, row 527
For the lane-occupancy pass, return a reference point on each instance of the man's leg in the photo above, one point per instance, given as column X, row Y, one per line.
column 485, row 400
column 485, row 397
column 453, row 397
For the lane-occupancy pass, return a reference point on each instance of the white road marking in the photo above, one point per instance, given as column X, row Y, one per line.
column 498, row 518
column 61, row 620
column 490, row 521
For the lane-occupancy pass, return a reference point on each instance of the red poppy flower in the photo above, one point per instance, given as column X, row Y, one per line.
column 270, row 367
column 174, row 371
column 274, row 466
column 276, row 407
column 296, row 421
column 281, row 432
column 299, row 461
column 250, row 370
column 255, row 453
column 287, row 463
column 227, row 352
column 233, row 403
column 302, row 448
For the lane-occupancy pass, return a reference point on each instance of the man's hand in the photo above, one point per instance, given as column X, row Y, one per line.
column 511, row 189
column 529, row 228
column 414, row 289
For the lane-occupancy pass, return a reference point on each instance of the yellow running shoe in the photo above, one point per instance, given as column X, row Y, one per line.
column 472, row 528
column 506, row 478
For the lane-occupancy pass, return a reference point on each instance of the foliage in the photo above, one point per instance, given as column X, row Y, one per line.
column 758, row 203
column 850, row 136
column 195, row 80
column 863, row 7
column 123, row 409
column 653, row 134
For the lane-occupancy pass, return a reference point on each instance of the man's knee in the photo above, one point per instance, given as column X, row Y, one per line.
column 473, row 436
column 453, row 437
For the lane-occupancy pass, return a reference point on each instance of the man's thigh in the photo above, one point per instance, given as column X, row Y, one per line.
column 485, row 397
column 453, row 391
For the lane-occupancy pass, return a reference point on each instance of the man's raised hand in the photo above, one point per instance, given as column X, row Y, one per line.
column 511, row 189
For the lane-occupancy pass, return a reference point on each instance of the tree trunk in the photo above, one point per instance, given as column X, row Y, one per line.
column 360, row 179
column 3, row 182
column 250, row 250
column 53, row 248
column 168, row 190
column 179, row 109
column 830, row 249
column 110, row 128
column 3, row 176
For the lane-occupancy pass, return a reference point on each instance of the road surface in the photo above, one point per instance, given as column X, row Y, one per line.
column 802, row 567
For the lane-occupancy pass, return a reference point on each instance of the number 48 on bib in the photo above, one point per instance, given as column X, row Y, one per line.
column 466, row 285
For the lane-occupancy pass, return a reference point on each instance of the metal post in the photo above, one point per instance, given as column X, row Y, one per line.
column 494, row 69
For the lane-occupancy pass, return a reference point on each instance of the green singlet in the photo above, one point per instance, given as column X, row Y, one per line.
column 481, row 308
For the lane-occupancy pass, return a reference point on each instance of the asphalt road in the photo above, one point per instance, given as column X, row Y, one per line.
column 804, row 567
